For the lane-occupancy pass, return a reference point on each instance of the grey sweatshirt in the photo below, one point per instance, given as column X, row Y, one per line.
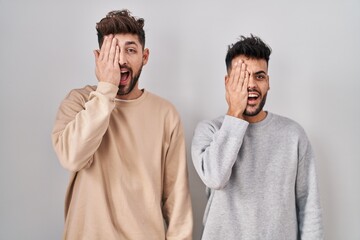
column 261, row 179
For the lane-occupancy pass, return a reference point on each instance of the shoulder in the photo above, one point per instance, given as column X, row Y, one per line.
column 76, row 98
column 210, row 124
column 80, row 93
column 215, row 122
column 294, row 133
column 163, row 109
column 161, row 104
column 285, row 121
column 154, row 98
column 289, row 128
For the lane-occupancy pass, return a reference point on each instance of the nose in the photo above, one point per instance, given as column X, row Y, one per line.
column 252, row 82
column 122, row 58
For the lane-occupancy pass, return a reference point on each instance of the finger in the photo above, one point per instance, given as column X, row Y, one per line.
column 112, row 50
column 237, row 74
column 242, row 74
column 230, row 77
column 117, row 56
column 246, row 81
column 106, row 48
column 102, row 48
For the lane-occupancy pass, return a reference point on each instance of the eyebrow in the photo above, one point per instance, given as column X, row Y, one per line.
column 130, row 43
column 260, row 72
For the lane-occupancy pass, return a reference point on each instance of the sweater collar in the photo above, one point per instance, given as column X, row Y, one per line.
column 133, row 102
column 263, row 122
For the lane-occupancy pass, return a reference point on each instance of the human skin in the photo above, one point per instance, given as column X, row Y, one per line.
column 119, row 62
column 246, row 87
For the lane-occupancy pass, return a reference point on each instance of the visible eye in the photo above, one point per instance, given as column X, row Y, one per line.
column 260, row 76
column 131, row 50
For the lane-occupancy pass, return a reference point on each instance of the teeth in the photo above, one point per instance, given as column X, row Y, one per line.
column 253, row 95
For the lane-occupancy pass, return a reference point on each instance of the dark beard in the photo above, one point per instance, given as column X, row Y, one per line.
column 258, row 110
column 133, row 82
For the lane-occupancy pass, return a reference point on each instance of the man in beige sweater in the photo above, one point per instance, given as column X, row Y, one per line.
column 124, row 147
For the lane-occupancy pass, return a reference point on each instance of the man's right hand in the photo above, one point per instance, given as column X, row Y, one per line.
column 107, row 61
column 236, row 86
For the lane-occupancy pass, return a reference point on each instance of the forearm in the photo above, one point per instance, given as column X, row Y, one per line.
column 214, row 152
column 78, row 130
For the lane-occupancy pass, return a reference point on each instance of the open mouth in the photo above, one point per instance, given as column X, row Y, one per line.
column 253, row 96
column 124, row 76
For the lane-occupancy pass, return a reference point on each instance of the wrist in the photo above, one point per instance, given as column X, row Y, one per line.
column 107, row 89
column 236, row 113
column 115, row 83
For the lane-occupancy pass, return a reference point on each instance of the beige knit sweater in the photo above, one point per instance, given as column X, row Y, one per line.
column 128, row 166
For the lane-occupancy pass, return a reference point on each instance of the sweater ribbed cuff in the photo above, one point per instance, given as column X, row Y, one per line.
column 234, row 126
column 107, row 89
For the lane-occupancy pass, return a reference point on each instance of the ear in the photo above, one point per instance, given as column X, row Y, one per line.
column 268, row 79
column 146, row 53
column 226, row 78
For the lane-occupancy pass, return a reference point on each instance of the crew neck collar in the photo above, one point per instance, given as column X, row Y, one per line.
column 263, row 122
column 123, row 102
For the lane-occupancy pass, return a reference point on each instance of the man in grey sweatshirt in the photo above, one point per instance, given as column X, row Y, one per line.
column 259, row 167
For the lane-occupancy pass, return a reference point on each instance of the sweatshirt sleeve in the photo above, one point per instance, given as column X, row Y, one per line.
column 307, row 195
column 177, row 209
column 215, row 149
column 80, row 125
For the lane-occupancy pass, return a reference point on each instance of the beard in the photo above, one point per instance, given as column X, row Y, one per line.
column 126, row 89
column 258, row 109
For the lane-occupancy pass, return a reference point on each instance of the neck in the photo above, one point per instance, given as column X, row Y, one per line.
column 257, row 118
column 134, row 94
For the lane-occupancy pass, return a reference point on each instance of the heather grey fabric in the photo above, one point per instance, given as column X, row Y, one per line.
column 261, row 178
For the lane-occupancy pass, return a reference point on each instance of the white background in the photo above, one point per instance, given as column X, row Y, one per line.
column 46, row 50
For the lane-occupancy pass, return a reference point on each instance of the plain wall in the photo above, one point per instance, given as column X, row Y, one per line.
column 46, row 50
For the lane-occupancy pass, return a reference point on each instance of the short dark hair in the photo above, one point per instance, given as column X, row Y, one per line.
column 252, row 47
column 120, row 21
